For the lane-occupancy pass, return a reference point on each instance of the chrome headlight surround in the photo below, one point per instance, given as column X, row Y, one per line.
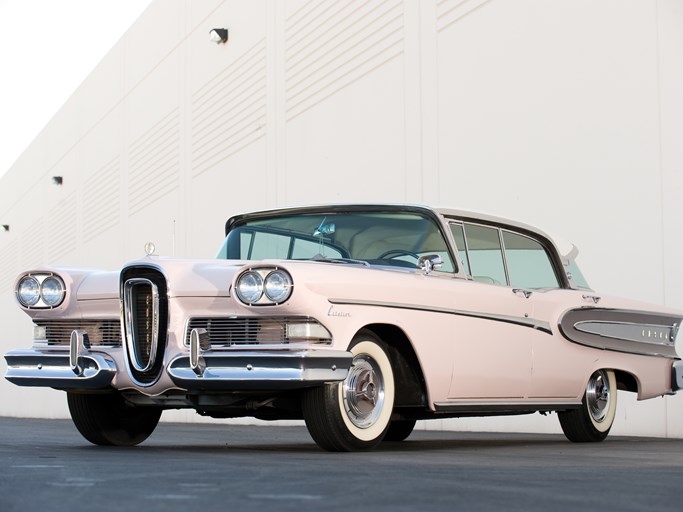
column 265, row 286
column 40, row 290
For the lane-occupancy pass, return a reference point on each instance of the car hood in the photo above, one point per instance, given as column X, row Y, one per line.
column 193, row 278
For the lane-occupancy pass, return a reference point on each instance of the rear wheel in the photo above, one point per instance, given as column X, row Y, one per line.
column 107, row 420
column 593, row 420
column 399, row 430
column 354, row 414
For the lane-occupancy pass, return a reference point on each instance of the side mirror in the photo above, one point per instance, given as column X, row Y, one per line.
column 429, row 262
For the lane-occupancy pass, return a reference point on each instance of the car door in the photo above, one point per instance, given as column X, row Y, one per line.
column 493, row 345
column 555, row 362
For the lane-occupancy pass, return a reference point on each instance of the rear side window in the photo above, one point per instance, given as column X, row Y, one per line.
column 528, row 263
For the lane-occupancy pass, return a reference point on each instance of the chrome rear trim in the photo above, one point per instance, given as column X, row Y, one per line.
column 634, row 332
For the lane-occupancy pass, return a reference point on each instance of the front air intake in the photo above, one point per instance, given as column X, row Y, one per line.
column 144, row 322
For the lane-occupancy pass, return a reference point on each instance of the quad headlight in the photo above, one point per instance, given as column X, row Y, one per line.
column 277, row 286
column 250, row 287
column 264, row 286
column 28, row 291
column 52, row 291
column 40, row 291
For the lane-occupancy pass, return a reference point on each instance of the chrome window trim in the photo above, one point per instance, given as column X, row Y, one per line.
column 501, row 241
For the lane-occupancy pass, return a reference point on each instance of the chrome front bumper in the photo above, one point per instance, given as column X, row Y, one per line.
column 251, row 370
column 54, row 369
column 239, row 370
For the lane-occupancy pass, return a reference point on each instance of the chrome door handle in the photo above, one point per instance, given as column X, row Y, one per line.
column 526, row 293
column 588, row 298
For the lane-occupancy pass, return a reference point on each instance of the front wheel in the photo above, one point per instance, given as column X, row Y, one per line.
column 107, row 420
column 354, row 414
column 593, row 420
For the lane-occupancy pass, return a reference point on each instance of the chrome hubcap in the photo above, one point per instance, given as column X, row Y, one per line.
column 598, row 395
column 363, row 392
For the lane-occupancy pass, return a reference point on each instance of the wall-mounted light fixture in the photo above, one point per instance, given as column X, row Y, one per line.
column 218, row 35
column 5, row 227
column 57, row 180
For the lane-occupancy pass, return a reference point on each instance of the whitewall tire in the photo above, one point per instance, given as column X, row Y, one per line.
column 593, row 420
column 355, row 413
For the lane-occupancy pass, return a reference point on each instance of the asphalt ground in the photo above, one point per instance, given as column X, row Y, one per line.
column 45, row 465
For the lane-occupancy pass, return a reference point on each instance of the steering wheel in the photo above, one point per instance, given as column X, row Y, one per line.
column 395, row 253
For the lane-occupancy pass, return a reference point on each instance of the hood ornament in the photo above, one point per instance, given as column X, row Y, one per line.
column 150, row 248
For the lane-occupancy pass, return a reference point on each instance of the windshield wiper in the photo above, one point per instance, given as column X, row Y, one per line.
column 320, row 257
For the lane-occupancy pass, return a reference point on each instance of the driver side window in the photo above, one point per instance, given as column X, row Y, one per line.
column 485, row 254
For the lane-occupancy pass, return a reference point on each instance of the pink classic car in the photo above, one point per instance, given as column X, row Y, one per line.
column 360, row 319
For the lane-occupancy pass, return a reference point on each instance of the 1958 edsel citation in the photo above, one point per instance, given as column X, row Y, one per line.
column 360, row 319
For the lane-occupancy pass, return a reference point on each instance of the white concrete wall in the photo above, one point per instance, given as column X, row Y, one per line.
column 564, row 114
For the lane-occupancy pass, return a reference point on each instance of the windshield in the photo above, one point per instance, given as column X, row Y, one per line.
column 394, row 239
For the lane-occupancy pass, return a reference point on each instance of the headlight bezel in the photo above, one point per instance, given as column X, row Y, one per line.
column 265, row 296
column 39, row 278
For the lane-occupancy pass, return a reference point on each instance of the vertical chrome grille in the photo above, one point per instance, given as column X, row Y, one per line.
column 141, row 300
column 145, row 321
